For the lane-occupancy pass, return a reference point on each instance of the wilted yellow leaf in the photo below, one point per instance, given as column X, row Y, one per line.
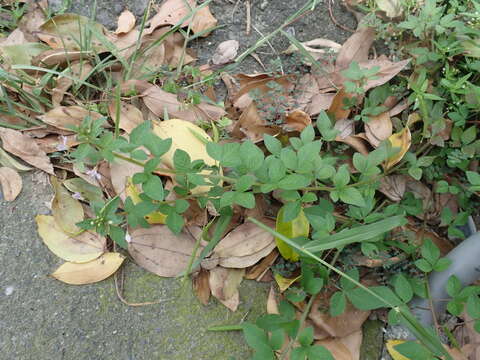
column 394, row 353
column 284, row 283
column 155, row 217
column 90, row 272
column 401, row 141
column 82, row 248
column 66, row 210
column 291, row 229
column 189, row 138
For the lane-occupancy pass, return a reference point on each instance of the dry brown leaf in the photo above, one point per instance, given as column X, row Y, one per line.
column 125, row 43
column 158, row 100
column 319, row 102
column 63, row 117
column 224, row 285
column 272, row 305
column 158, row 250
column 393, row 186
column 400, row 141
column 423, row 192
column 440, row 136
column 202, row 21
column 89, row 272
column 348, row 322
column 225, row 52
column 356, row 142
column 11, row 183
column 60, row 57
column 130, row 115
column 338, row 108
column 78, row 70
column 297, row 120
column 66, row 210
column 338, row 350
column 201, row 286
column 120, row 171
column 25, row 148
column 314, row 48
column 378, row 128
column 356, row 48
column 421, row 234
column 125, row 22
column 257, row 271
column 53, row 143
column 16, row 37
column 252, row 126
column 33, row 18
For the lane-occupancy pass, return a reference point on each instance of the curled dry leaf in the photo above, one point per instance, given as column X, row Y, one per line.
column 337, row 107
column 272, row 305
column 225, row 52
column 318, row 103
column 257, row 271
column 125, row 22
column 297, row 120
column 393, row 186
column 378, row 128
column 130, row 115
column 8, row 161
column 25, row 148
column 81, row 248
column 244, row 246
column 11, row 183
column 252, row 126
column 201, row 286
column 66, row 210
column 224, row 285
column 159, row 101
column 314, row 48
column 356, row 48
column 400, row 141
column 89, row 272
column 161, row 252
column 60, row 57
column 64, row 117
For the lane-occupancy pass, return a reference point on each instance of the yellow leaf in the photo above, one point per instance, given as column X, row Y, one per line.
column 400, row 141
column 79, row 249
column 155, row 217
column 90, row 272
column 291, row 229
column 394, row 353
column 189, row 138
column 66, row 210
column 284, row 283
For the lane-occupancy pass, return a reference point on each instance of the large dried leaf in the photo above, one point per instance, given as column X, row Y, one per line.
column 252, row 126
column 33, row 18
column 315, row 48
column 400, row 142
column 89, row 272
column 25, row 148
column 120, row 172
column 201, row 286
column 291, row 229
column 319, row 102
column 60, row 57
column 159, row 101
column 65, row 117
column 158, row 250
column 16, row 37
column 224, row 285
column 356, row 48
column 337, row 108
column 393, row 186
column 130, row 115
column 125, row 22
column 297, row 120
column 66, row 210
column 8, row 161
column 378, row 128
column 10, row 182
column 81, row 248
column 225, row 52
column 256, row 272
column 69, row 31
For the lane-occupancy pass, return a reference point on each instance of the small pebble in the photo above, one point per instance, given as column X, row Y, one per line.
column 9, row 290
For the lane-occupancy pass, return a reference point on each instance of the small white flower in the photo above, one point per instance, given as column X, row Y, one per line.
column 94, row 174
column 63, row 146
column 128, row 238
column 77, row 195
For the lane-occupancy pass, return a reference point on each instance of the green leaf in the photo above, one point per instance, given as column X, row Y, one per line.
column 293, row 182
column 442, row 187
column 244, row 183
column 413, row 350
column 118, row 235
column 455, row 307
column 277, row 338
column 469, row 135
column 251, row 155
column 324, row 125
column 181, row 160
column 473, row 306
column 473, row 178
column 442, row 264
column 363, row 300
column 338, row 303
column 306, row 336
column 157, row 146
column 453, row 286
column 272, row 144
column 352, row 196
column 424, row 265
column 310, row 283
column 403, row 288
column 292, row 210
column 227, row 199
column 291, row 229
column 257, row 339
column 308, row 134
column 415, row 172
column 289, row 158
column 298, row 353
column 153, row 187
column 347, row 284
column 318, row 352
column 175, row 222
column 430, row 251
column 276, row 170
column 246, row 200
column 342, row 177
column 357, row 234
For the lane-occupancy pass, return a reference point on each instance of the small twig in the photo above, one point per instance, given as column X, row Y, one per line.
column 334, row 20
column 249, row 16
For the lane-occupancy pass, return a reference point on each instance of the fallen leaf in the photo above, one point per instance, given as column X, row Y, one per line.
column 393, row 186
column 81, row 248
column 78, row 70
column 224, row 285
column 272, row 305
column 11, row 183
column 392, row 8
column 291, row 229
column 16, row 37
column 130, row 115
column 33, row 17
column 159, row 101
column 86, row 190
column 225, row 52
column 356, row 142
column 161, row 252
column 66, row 210
column 125, row 22
column 252, row 126
column 257, row 271
column 185, row 136
column 356, row 48
column 21, row 54
column 89, row 272
column 337, row 108
column 68, row 31
column 378, row 128
column 202, row 21
column 400, row 141
column 25, row 148
column 66, row 117
column 283, row 282
column 201, row 286
column 314, row 48
column 53, row 143
column 8, row 161
column 297, row 120
column 120, row 172
column 61, row 57
column 173, row 49
column 394, row 353
column 318, row 103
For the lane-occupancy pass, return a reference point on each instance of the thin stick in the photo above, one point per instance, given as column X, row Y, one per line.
column 249, row 16
column 334, row 20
